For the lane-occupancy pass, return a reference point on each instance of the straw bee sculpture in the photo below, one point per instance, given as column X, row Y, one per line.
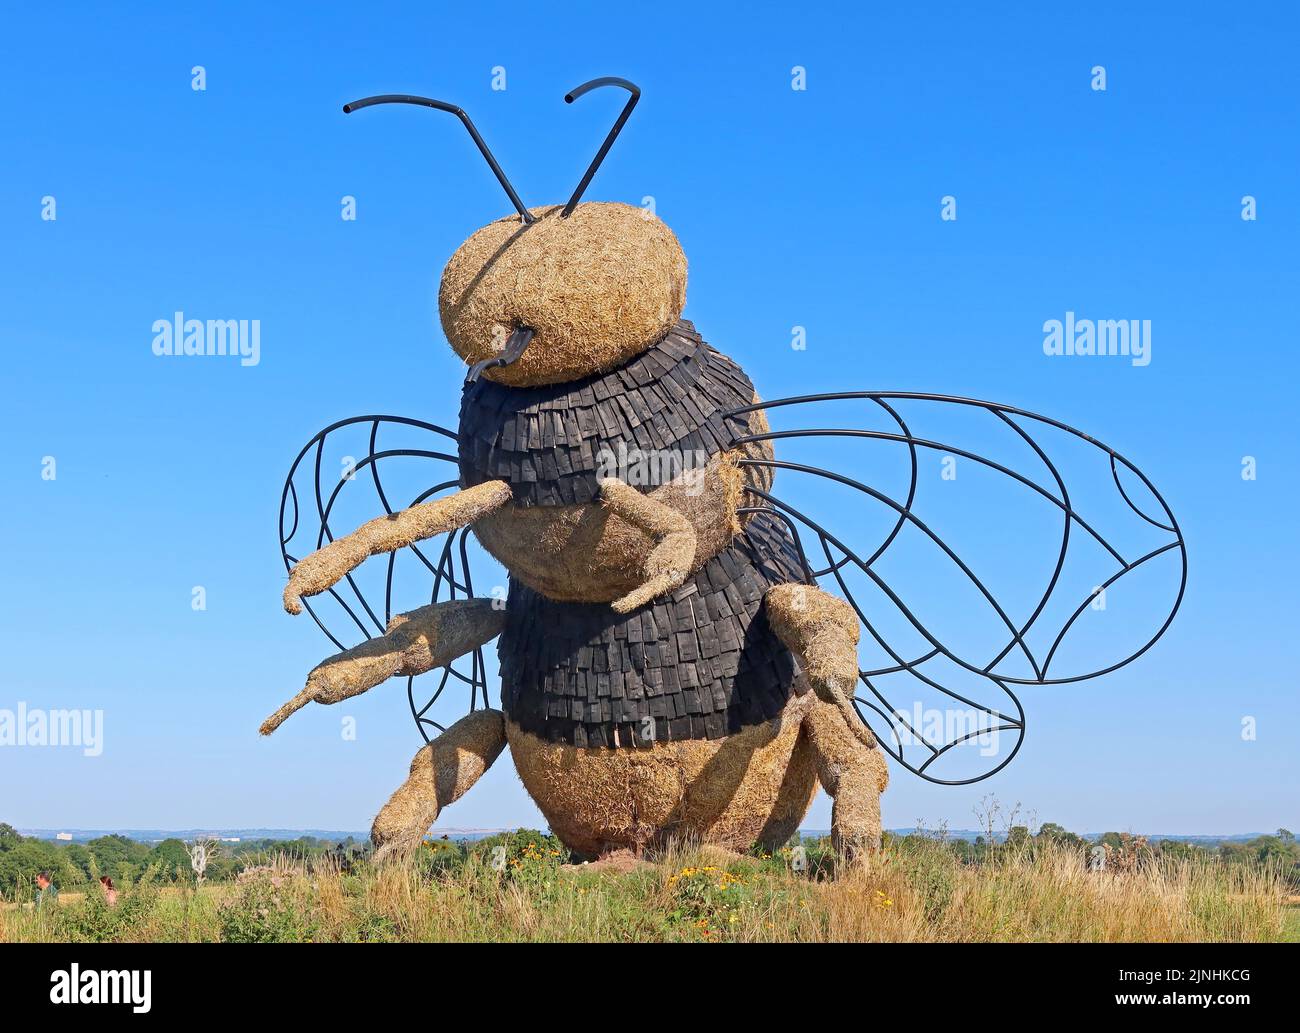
column 669, row 664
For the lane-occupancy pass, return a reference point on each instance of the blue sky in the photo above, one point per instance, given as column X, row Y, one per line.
column 818, row 208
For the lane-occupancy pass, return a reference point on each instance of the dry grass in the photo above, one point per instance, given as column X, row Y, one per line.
column 912, row 891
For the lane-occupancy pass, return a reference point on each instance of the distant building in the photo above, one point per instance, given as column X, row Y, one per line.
column 65, row 836
column 230, row 839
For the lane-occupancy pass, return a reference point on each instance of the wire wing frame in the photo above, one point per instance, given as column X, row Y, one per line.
column 309, row 519
column 829, row 556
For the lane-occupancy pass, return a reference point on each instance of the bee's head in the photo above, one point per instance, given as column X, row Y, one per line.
column 558, row 293
column 596, row 288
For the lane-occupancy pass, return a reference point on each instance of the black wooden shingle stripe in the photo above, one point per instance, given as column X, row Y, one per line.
column 702, row 662
column 547, row 441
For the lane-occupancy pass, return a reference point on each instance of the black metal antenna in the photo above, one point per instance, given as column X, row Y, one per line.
column 405, row 98
column 569, row 98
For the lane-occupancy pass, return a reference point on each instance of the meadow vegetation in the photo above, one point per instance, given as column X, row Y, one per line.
column 521, row 887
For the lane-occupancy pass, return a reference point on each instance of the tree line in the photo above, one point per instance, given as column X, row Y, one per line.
column 75, row 865
column 1279, row 849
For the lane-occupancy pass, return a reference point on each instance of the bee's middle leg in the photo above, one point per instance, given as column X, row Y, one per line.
column 415, row 642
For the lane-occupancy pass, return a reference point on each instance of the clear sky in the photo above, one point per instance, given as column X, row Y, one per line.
column 819, row 208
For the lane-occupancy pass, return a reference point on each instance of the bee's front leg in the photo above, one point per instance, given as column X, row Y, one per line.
column 325, row 567
column 432, row 636
column 441, row 773
column 670, row 560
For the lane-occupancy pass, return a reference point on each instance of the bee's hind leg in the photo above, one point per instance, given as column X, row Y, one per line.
column 441, row 773
column 853, row 775
column 823, row 632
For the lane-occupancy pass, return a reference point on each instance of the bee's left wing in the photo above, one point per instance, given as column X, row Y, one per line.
column 982, row 547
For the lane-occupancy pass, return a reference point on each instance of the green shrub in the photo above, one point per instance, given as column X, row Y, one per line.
column 440, row 856
column 524, row 856
column 929, row 871
column 267, row 908
column 91, row 920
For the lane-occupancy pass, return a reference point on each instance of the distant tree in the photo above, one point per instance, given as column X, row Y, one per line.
column 78, row 857
column 1270, row 848
column 20, row 862
column 1178, row 850
column 173, row 859
column 201, row 851
column 1050, row 832
column 118, row 856
column 223, row 868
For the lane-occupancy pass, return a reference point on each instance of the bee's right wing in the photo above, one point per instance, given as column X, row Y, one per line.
column 982, row 547
column 361, row 468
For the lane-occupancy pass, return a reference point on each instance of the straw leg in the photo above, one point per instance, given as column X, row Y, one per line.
column 441, row 773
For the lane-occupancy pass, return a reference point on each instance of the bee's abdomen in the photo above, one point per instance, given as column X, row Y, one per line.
column 551, row 443
column 701, row 663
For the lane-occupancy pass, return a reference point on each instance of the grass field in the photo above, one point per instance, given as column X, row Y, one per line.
column 518, row 889
column 1291, row 922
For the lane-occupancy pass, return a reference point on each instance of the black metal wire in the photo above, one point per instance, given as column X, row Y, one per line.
column 439, row 105
column 909, row 666
column 893, row 719
column 574, row 94
column 905, row 510
column 446, row 578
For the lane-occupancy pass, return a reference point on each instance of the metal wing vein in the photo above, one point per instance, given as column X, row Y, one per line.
column 426, row 472
column 934, row 664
